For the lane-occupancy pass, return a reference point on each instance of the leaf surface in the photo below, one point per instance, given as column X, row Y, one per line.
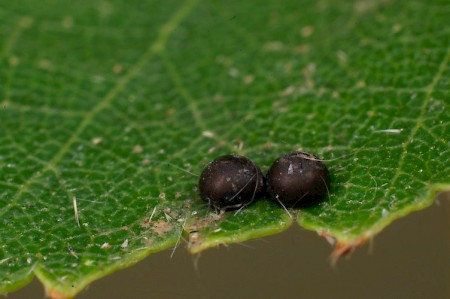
column 109, row 111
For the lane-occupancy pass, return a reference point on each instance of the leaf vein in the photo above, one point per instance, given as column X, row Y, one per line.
column 156, row 47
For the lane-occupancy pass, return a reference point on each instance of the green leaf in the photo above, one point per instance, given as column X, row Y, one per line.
column 110, row 110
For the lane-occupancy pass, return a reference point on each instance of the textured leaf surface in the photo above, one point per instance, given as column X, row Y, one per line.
column 109, row 110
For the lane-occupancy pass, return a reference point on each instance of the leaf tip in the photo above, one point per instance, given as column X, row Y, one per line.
column 343, row 248
column 54, row 294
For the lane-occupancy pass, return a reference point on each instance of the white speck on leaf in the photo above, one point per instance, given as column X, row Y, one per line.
column 115, row 258
column 248, row 79
column 287, row 91
column 153, row 213
column 233, row 72
column 342, row 56
column 105, row 246
column 71, row 251
column 168, row 217
column 361, row 84
column 137, row 149
column 89, row 263
column 97, row 140
column 75, row 210
column 124, row 244
column 390, row 131
column 208, row 134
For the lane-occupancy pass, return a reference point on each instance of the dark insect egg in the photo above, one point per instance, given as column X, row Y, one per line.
column 230, row 181
column 298, row 179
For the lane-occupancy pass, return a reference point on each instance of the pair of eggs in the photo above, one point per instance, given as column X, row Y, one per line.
column 294, row 179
